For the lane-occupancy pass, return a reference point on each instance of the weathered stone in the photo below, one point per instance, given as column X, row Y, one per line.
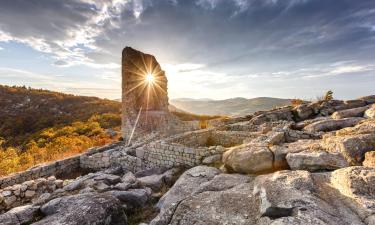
column 370, row 113
column 280, row 151
column 316, row 160
column 357, row 183
column 8, row 201
column 134, row 198
column 332, row 124
column 109, row 179
column 155, row 182
column 352, row 147
column 284, row 197
column 25, row 214
column 355, row 112
column 101, row 186
column 369, row 159
column 83, row 209
column 248, row 159
column 29, row 194
column 368, row 99
column 304, row 111
column 212, row 159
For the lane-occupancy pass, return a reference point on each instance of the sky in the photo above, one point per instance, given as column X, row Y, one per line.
column 214, row 49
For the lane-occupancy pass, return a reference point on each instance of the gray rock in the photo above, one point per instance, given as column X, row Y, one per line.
column 304, row 111
column 352, row 147
column 108, row 179
column 25, row 214
column 332, row 124
column 356, row 112
column 280, row 151
column 129, row 178
column 122, row 186
column 248, row 159
column 284, row 197
column 316, row 160
column 212, row 159
column 83, row 209
column 155, row 182
column 187, row 183
column 134, row 198
column 368, row 99
column 149, row 172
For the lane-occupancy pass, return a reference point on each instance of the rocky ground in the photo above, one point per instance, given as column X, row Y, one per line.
column 309, row 164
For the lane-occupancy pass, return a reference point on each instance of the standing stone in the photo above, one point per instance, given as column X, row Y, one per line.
column 147, row 100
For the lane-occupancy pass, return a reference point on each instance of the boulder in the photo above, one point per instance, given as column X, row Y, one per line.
column 370, row 113
column 284, row 197
column 134, row 198
column 83, row 209
column 304, row 111
column 187, row 183
column 350, row 104
column 248, row 159
column 357, row 183
column 369, row 159
column 356, row 112
column 20, row 215
column 316, row 160
column 149, row 172
column 108, row 179
column 352, row 147
column 212, row 159
column 332, row 124
column 280, row 151
column 155, row 182
column 368, row 99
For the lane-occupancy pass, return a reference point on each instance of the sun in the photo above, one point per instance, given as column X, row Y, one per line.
column 150, row 78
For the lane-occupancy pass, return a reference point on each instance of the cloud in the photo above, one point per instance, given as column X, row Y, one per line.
column 201, row 42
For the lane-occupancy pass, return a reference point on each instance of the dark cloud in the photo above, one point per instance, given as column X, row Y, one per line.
column 234, row 37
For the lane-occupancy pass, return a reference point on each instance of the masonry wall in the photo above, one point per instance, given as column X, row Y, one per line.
column 57, row 168
column 26, row 192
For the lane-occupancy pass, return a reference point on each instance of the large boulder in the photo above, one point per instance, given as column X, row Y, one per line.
column 316, row 160
column 332, row 124
column 281, row 151
column 187, row 183
column 357, row 183
column 83, row 209
column 248, row 159
column 284, row 197
column 304, row 111
column 356, row 112
column 370, row 113
column 352, row 147
column 133, row 198
column 20, row 215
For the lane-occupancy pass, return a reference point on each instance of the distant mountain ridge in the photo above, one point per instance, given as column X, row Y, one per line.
column 231, row 107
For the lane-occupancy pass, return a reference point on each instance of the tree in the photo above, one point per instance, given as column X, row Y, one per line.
column 328, row 96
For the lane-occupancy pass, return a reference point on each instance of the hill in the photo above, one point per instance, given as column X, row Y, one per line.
column 230, row 107
column 24, row 111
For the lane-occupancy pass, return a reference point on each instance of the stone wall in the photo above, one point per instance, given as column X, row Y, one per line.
column 28, row 191
column 188, row 149
column 57, row 168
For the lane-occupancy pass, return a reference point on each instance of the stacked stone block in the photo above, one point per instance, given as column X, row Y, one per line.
column 19, row 194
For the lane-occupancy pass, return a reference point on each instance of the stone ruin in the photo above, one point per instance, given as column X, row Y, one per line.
column 313, row 163
column 145, row 102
